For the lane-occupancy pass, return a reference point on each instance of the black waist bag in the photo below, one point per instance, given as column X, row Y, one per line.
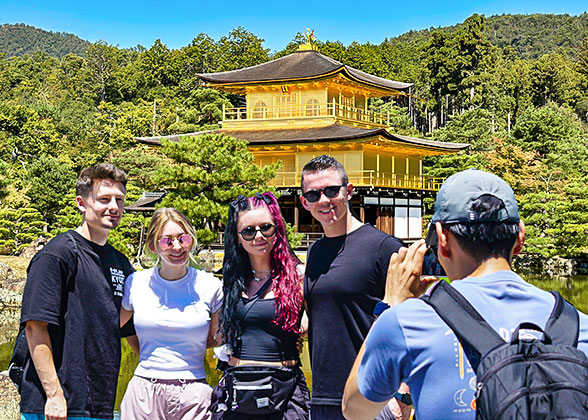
column 526, row 378
column 259, row 389
column 20, row 357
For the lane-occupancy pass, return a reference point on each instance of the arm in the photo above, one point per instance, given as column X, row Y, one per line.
column 355, row 405
column 133, row 341
column 211, row 340
column 124, row 316
column 42, row 356
column 304, row 321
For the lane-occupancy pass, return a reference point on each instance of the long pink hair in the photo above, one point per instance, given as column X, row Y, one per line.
column 286, row 283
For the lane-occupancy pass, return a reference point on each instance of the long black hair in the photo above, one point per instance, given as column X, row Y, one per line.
column 286, row 283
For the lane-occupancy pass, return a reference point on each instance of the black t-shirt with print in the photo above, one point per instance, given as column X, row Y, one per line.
column 345, row 278
column 86, row 341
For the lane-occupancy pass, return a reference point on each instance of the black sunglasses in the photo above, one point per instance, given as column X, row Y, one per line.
column 250, row 232
column 332, row 191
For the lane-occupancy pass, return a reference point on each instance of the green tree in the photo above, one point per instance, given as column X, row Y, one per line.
column 473, row 127
column 239, row 49
column 19, row 227
column 140, row 164
column 28, row 134
column 202, row 108
column 206, row 173
column 49, row 181
column 4, row 180
column 555, row 79
column 556, row 134
column 103, row 60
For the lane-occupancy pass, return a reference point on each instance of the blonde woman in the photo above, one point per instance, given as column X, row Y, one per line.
column 175, row 311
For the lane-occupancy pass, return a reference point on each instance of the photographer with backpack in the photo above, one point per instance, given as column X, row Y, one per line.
column 487, row 346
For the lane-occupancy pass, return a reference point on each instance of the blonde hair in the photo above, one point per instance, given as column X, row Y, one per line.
column 160, row 218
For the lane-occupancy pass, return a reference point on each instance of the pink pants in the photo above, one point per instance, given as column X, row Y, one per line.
column 166, row 400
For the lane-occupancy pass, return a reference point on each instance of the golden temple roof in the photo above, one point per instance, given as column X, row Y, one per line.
column 302, row 65
column 330, row 133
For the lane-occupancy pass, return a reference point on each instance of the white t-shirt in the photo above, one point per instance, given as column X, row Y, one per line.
column 172, row 320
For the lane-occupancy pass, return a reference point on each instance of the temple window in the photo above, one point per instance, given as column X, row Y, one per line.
column 312, row 108
column 286, row 104
column 348, row 103
column 260, row 110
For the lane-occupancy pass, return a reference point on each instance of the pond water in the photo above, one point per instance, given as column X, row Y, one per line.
column 574, row 289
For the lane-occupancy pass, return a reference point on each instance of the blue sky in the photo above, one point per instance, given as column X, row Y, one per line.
column 127, row 23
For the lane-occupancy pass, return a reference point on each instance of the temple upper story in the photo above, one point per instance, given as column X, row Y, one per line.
column 304, row 89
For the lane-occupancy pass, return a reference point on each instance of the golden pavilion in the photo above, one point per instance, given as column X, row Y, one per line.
column 306, row 104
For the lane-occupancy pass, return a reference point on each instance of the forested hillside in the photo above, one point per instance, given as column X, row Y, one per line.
column 530, row 36
column 525, row 119
column 533, row 36
column 23, row 39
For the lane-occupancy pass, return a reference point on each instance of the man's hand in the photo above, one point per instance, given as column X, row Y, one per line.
column 400, row 410
column 403, row 280
column 56, row 408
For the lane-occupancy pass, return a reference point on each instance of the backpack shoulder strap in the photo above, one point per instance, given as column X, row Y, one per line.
column 563, row 325
column 467, row 323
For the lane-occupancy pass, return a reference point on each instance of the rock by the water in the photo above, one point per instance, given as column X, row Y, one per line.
column 10, row 299
column 6, row 274
column 30, row 250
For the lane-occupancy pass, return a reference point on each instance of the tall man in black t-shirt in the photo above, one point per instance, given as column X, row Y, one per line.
column 345, row 278
column 71, row 306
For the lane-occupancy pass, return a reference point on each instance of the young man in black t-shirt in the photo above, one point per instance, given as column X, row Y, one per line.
column 345, row 278
column 71, row 307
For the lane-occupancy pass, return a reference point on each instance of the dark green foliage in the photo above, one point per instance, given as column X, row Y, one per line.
column 514, row 87
column 21, row 39
column 239, row 49
column 18, row 228
column 557, row 135
column 532, row 36
column 473, row 127
column 49, row 181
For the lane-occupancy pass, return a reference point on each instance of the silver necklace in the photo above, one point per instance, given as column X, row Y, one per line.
column 262, row 278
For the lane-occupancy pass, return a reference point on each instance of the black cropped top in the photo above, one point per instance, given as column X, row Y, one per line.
column 262, row 339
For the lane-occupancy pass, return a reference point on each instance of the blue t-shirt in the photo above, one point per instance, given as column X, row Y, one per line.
column 410, row 343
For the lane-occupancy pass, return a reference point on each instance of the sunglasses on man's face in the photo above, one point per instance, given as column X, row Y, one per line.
column 167, row 242
column 250, row 232
column 332, row 191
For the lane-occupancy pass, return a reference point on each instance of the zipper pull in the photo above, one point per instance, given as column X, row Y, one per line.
column 478, row 390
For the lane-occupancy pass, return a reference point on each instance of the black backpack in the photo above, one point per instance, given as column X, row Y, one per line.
column 20, row 353
column 525, row 378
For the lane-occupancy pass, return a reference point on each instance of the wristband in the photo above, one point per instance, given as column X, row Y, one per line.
column 380, row 307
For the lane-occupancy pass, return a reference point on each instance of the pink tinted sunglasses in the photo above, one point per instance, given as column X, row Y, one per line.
column 167, row 242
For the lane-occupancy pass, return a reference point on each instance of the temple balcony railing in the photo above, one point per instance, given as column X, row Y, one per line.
column 369, row 178
column 302, row 114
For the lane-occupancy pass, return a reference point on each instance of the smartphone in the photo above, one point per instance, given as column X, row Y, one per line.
column 432, row 267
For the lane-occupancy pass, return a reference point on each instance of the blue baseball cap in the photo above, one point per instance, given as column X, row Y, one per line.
column 459, row 191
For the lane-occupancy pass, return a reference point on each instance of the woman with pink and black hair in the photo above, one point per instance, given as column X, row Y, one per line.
column 261, row 317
